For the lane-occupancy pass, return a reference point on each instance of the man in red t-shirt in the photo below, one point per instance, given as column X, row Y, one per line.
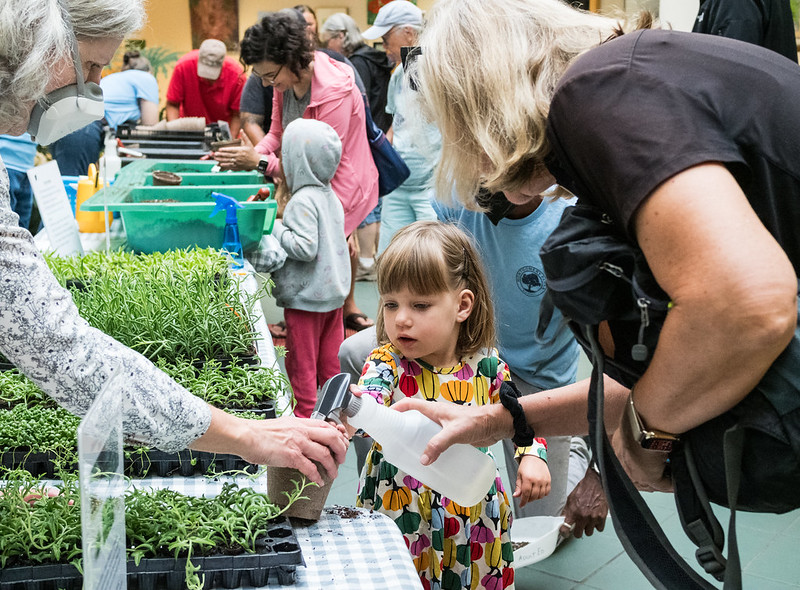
column 206, row 83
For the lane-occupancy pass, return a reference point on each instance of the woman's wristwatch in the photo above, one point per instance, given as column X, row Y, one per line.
column 652, row 440
column 262, row 165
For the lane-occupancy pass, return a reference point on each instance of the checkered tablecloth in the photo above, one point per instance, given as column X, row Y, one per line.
column 365, row 552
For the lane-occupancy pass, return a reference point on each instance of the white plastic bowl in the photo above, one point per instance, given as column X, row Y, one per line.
column 541, row 535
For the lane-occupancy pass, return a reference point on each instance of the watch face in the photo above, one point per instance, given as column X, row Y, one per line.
column 658, row 444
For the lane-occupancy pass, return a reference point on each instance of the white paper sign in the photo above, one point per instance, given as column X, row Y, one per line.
column 54, row 208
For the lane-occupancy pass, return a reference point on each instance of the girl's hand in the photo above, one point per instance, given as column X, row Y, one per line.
column 533, row 479
column 350, row 430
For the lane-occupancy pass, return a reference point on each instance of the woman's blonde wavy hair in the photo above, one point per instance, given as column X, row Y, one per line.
column 486, row 77
column 431, row 257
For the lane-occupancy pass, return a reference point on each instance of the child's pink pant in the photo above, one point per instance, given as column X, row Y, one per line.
column 312, row 344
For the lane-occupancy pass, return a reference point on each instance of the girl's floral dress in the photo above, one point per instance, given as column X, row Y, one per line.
column 453, row 547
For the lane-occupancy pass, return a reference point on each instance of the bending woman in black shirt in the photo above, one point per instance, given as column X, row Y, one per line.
column 689, row 142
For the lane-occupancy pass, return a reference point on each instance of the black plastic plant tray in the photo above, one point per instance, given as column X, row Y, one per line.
column 278, row 556
column 153, row 462
column 185, row 463
column 37, row 463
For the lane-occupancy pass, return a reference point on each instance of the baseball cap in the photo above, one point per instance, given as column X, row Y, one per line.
column 393, row 14
column 210, row 58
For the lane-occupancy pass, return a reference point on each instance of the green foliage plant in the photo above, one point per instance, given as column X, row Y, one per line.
column 158, row 523
column 171, row 306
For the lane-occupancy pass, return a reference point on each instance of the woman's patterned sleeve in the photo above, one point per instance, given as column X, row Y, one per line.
column 43, row 335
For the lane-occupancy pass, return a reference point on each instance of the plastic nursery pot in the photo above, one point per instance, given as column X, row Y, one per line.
column 164, row 178
column 281, row 480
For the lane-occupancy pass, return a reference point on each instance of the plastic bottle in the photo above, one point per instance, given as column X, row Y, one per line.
column 462, row 473
column 90, row 221
column 110, row 163
column 230, row 235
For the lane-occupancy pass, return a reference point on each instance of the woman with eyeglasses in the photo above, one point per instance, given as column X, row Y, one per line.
column 52, row 53
column 311, row 85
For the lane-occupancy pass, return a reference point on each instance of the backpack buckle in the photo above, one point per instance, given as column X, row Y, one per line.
column 711, row 559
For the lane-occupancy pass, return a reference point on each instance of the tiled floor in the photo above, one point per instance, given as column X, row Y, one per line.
column 769, row 544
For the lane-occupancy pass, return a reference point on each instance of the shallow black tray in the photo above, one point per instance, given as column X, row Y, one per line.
column 185, row 463
column 153, row 462
column 278, row 555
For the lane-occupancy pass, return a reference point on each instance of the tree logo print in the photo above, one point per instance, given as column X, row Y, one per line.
column 531, row 281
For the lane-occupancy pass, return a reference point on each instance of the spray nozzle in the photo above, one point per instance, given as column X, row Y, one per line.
column 334, row 397
column 229, row 204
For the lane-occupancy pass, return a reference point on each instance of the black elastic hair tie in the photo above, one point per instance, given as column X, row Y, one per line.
column 523, row 432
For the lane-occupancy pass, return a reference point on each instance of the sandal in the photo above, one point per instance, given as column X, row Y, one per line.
column 357, row 321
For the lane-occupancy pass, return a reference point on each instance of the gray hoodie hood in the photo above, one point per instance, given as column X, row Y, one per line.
column 310, row 154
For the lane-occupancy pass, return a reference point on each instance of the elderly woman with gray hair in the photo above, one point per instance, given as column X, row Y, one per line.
column 51, row 56
column 340, row 33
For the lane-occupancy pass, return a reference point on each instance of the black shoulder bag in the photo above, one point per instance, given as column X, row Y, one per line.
column 746, row 459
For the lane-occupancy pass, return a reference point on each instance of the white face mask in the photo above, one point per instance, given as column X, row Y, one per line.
column 66, row 109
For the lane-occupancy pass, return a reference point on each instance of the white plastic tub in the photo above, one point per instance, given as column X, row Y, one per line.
column 541, row 535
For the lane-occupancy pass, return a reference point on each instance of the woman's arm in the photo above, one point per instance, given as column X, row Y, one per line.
column 734, row 298
column 282, row 442
column 555, row 412
column 149, row 111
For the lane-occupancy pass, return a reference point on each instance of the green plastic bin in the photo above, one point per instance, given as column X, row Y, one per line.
column 214, row 178
column 139, row 173
column 160, row 218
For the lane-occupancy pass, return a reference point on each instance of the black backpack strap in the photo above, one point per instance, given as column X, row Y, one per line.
column 638, row 530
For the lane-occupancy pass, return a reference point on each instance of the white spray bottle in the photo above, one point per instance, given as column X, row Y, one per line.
column 462, row 473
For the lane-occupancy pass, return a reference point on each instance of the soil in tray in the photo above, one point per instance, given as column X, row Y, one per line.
column 278, row 554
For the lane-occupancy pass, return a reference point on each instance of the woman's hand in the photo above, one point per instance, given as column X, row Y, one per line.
column 644, row 467
column 282, row 442
column 586, row 508
column 243, row 157
column 533, row 479
column 480, row 426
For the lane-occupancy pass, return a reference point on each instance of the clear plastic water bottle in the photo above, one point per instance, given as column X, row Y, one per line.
column 462, row 473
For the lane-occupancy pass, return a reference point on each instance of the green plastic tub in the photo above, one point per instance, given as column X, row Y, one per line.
column 161, row 218
column 193, row 172
column 214, row 178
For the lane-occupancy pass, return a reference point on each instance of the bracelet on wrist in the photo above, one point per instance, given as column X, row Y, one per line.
column 523, row 432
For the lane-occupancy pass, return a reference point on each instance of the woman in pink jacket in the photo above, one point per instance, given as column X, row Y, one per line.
column 311, row 85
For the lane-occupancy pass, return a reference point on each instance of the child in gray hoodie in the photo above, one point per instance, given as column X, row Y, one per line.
column 315, row 279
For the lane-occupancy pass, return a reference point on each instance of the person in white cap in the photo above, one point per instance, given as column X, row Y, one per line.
column 206, row 83
column 399, row 23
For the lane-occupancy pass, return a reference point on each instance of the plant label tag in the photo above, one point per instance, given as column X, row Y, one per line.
column 53, row 203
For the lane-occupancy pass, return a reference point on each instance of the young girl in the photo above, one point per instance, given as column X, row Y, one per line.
column 435, row 324
column 315, row 279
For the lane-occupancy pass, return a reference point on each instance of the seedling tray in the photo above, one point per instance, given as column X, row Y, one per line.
column 149, row 463
column 278, row 554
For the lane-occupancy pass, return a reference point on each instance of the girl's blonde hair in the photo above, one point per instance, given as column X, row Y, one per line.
column 430, row 257
column 486, row 77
